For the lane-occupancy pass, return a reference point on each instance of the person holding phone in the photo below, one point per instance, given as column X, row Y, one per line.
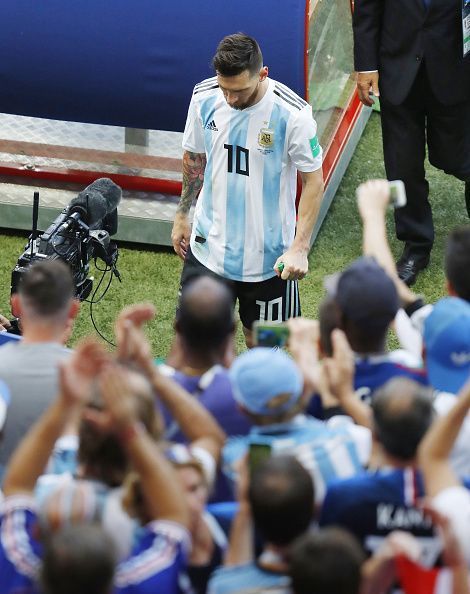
column 414, row 56
column 279, row 519
column 269, row 389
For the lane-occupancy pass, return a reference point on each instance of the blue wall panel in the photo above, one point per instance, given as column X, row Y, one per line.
column 132, row 62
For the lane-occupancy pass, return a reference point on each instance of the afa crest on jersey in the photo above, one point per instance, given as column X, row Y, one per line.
column 266, row 138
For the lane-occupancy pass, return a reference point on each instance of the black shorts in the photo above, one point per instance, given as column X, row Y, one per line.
column 273, row 300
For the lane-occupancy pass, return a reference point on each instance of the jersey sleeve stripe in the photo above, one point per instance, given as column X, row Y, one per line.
column 207, row 85
column 148, row 564
column 170, row 539
column 296, row 105
column 207, row 81
column 16, row 544
column 291, row 94
column 205, row 89
column 295, row 98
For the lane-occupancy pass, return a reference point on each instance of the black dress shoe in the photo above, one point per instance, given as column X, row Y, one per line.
column 408, row 268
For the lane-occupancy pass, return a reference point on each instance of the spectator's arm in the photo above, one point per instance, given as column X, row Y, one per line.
column 372, row 198
column 381, row 570
column 131, row 316
column 303, row 345
column 162, row 491
column 460, row 579
column 435, row 448
column 240, row 549
column 452, row 552
column 378, row 574
column 31, row 456
column 295, row 259
column 4, row 323
column 339, row 371
column 196, row 422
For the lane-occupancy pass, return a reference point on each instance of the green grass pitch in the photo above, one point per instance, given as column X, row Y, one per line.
column 153, row 275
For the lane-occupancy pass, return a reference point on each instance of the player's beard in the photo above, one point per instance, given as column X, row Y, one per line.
column 249, row 102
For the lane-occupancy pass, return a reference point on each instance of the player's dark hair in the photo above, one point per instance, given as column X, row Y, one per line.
column 78, row 559
column 237, row 53
column 205, row 315
column 403, row 412
column 47, row 287
column 457, row 261
column 287, row 511
column 326, row 561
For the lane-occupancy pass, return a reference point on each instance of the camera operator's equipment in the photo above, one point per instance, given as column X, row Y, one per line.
column 79, row 234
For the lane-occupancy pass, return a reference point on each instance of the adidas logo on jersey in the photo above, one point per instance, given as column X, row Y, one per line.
column 211, row 126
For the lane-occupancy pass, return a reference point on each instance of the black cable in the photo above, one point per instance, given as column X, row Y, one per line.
column 104, row 271
column 93, row 301
column 110, row 342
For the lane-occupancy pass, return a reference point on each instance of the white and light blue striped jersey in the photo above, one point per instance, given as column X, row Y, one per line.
column 329, row 450
column 245, row 214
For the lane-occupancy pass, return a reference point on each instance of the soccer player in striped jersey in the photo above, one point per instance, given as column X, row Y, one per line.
column 246, row 136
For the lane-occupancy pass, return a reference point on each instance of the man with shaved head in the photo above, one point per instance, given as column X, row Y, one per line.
column 205, row 321
column 373, row 504
column 203, row 348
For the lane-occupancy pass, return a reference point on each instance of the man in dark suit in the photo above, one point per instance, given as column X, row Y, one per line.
column 413, row 51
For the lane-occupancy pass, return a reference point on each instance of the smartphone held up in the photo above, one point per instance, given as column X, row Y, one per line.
column 397, row 193
column 270, row 334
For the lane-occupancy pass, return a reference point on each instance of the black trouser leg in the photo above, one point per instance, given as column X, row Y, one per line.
column 448, row 136
column 404, row 139
column 467, row 197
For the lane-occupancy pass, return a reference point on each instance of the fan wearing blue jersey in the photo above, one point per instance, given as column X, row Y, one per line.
column 373, row 504
column 246, row 136
column 158, row 559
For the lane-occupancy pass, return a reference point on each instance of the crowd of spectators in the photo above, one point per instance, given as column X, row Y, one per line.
column 337, row 466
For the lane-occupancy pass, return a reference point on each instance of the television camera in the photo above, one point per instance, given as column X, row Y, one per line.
column 78, row 235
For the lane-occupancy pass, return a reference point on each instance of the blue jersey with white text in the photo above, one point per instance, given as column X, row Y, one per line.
column 371, row 505
column 157, row 563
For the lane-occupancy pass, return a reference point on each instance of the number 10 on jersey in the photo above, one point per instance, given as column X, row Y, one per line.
column 242, row 159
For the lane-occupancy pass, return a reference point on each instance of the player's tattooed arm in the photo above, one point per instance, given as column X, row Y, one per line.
column 194, row 165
